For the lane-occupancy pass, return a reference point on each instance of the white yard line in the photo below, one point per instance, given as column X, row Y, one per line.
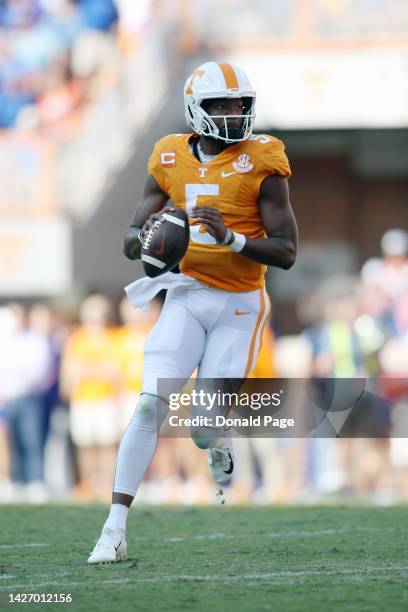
column 276, row 534
column 238, row 536
column 280, row 577
column 29, row 545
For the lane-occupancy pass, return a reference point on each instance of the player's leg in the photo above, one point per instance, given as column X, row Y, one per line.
column 173, row 350
column 232, row 347
column 105, row 429
column 234, row 341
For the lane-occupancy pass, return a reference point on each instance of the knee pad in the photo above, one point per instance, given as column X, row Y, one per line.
column 149, row 413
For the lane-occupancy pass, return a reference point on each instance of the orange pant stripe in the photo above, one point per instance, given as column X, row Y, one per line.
column 254, row 335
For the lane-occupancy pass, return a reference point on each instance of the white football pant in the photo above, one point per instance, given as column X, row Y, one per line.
column 218, row 332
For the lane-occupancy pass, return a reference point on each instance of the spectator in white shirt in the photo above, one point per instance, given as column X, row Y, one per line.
column 24, row 368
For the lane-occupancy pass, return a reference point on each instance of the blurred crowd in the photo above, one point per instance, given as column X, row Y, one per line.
column 52, row 53
column 70, row 379
column 352, row 321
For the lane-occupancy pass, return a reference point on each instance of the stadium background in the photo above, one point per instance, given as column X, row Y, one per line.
column 87, row 86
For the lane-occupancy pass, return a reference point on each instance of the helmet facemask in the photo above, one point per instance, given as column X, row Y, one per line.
column 204, row 124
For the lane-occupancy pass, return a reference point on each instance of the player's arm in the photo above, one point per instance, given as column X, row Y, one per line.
column 150, row 207
column 279, row 248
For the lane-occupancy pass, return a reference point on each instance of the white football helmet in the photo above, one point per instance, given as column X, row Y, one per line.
column 218, row 80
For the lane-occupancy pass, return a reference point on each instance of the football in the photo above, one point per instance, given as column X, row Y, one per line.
column 166, row 243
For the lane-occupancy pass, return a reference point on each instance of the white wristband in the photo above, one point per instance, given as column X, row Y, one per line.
column 238, row 243
column 228, row 236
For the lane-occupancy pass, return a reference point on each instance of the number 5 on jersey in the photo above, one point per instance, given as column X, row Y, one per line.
column 193, row 190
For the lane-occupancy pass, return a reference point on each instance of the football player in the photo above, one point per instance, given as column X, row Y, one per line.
column 233, row 185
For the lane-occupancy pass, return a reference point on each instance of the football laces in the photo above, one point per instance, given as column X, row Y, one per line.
column 148, row 238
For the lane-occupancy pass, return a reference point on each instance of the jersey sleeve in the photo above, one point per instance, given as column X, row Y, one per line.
column 155, row 166
column 273, row 161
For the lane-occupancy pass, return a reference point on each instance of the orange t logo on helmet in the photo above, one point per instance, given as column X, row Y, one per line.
column 195, row 74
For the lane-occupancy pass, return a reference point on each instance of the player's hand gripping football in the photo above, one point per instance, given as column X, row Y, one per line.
column 152, row 220
column 213, row 221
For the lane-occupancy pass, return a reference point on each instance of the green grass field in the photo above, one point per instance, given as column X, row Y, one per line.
column 218, row 559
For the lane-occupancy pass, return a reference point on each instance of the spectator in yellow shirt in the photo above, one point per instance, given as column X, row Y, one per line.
column 89, row 380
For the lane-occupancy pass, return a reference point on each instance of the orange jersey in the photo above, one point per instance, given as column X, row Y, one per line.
column 230, row 182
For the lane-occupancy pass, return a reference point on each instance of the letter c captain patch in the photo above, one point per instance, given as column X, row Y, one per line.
column 168, row 158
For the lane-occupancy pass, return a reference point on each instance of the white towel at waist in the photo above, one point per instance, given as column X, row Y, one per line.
column 141, row 291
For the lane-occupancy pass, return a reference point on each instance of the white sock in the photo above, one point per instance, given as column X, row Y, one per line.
column 117, row 517
column 138, row 443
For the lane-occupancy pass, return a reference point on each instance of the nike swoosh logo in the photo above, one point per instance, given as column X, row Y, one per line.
column 239, row 313
column 116, row 547
column 231, row 467
column 225, row 174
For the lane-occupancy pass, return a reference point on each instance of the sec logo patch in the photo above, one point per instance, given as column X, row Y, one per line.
column 243, row 163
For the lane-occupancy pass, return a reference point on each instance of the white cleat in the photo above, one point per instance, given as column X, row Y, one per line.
column 221, row 462
column 110, row 547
